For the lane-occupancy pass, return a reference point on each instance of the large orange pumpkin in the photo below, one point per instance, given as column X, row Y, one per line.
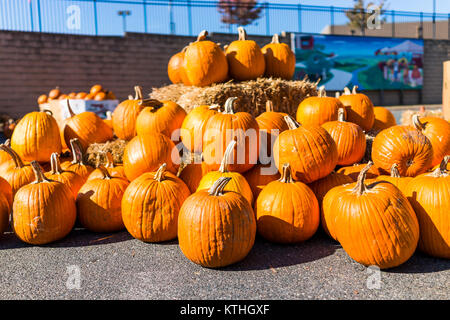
column 310, row 151
column 287, row 211
column 245, row 58
column 383, row 119
column 350, row 139
column 147, row 153
column 15, row 171
column 151, row 204
column 175, row 68
column 204, row 62
column 193, row 126
column 87, row 127
column 437, row 130
column 261, row 175
column 164, row 117
column 359, row 108
column 322, row 186
column 429, row 195
column 99, row 203
column 404, row 145
column 375, row 224
column 216, row 228
column 36, row 136
column 237, row 183
column 125, row 115
column 318, row 110
column 279, row 58
column 43, row 211
column 224, row 127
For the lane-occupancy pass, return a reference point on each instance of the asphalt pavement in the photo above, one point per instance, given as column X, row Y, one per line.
column 87, row 265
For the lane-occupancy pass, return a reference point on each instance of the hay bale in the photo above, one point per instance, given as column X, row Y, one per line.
column 285, row 95
column 407, row 115
column 95, row 154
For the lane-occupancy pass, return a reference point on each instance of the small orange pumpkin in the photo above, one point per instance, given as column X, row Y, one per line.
column 279, row 58
column 383, row 119
column 71, row 179
column 77, row 165
column 113, row 170
column 191, row 170
column 15, row 171
column 260, row 175
column 359, row 108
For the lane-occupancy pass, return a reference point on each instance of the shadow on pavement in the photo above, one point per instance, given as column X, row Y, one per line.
column 267, row 255
column 421, row 263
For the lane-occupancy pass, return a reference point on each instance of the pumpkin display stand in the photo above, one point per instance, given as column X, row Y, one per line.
column 253, row 94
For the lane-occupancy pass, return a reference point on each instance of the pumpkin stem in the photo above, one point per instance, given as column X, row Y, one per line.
column 242, row 34
column 105, row 172
column 286, row 174
column 44, row 110
column 155, row 104
column 341, row 114
column 77, row 151
column 16, row 158
column 226, row 157
column 347, row 91
column 72, row 114
column 292, row 124
column 109, row 160
column 159, row 175
column 130, row 97
column 55, row 163
column 218, row 186
column 442, row 169
column 322, row 92
column 214, row 106
column 275, row 38
column 228, row 109
column 269, row 106
column 417, row 123
column 394, row 171
column 138, row 93
column 108, row 115
column 202, row 35
column 354, row 89
column 39, row 174
column 360, row 187
column 337, row 94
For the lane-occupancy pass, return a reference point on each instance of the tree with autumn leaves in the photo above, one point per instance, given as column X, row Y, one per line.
column 239, row 12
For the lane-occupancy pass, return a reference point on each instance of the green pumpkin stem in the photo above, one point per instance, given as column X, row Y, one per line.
column 16, row 158
column 292, row 124
column 286, row 174
column 226, row 157
column 394, row 171
column 228, row 108
column 159, row 175
column 39, row 174
column 55, row 164
column 218, row 186
column 361, row 187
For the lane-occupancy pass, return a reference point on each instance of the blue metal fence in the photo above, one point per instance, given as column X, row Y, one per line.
column 188, row 17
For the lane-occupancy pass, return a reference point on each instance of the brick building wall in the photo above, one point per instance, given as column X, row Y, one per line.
column 33, row 63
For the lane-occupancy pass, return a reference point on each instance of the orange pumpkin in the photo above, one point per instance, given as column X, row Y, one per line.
column 100, row 96
column 279, row 58
column 54, row 93
column 193, row 127
column 396, row 179
column 96, row 88
column 87, row 127
column 204, row 62
column 77, row 165
column 42, row 99
column 224, row 127
column 404, row 145
column 5, row 209
column 310, row 151
column 151, row 204
column 349, row 138
column 437, row 130
column 260, row 175
column 165, row 117
column 359, row 108
column 287, row 211
column 99, row 203
column 36, row 137
column 116, row 171
column 216, row 228
column 270, row 124
column 354, row 170
column 81, row 95
column 383, row 119
column 15, row 171
column 429, row 195
column 147, row 153
column 237, row 183
column 175, row 68
column 43, row 211
column 318, row 110
column 322, row 186
column 245, row 58
column 375, row 224
column 5, row 156
column 191, row 170
column 125, row 115
column 71, row 179
column 72, row 95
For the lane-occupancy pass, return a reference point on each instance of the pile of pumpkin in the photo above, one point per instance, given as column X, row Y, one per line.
column 97, row 92
column 203, row 62
column 378, row 211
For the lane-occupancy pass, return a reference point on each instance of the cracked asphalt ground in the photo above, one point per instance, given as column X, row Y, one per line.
column 116, row 266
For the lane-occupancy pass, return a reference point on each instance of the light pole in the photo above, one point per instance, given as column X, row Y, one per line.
column 434, row 19
column 124, row 15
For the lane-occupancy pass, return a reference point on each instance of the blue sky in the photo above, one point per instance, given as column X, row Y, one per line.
column 55, row 14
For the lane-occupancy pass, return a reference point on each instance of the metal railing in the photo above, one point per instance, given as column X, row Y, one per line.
column 188, row 17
